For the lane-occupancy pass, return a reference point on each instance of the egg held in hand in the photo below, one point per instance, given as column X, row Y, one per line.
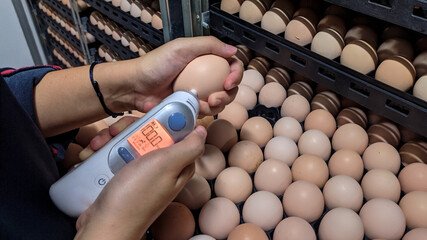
column 205, row 74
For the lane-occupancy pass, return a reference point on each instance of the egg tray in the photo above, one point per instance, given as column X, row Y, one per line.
column 402, row 107
column 116, row 46
column 144, row 30
column 73, row 60
column 412, row 13
column 61, row 8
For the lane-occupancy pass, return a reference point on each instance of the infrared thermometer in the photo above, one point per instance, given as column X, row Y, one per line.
column 167, row 123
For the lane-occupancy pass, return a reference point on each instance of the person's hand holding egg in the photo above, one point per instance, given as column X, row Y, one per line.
column 203, row 64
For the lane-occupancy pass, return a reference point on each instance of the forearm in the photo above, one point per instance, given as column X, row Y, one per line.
column 65, row 99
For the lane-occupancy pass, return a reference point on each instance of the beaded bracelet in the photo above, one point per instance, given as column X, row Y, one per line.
column 98, row 92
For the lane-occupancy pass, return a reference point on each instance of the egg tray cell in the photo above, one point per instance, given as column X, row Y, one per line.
column 412, row 13
column 402, row 107
column 73, row 60
column 116, row 46
column 146, row 31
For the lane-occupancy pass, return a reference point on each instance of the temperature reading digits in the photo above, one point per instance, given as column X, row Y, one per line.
column 150, row 137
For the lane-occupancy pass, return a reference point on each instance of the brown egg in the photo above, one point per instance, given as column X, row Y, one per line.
column 222, row 134
column 315, row 142
column 350, row 136
column 414, row 206
column 147, row 14
column 195, row 193
column 295, row 106
column 247, row 231
column 407, row 135
column 352, row 115
column 246, row 155
column 359, row 56
column 231, row 6
column 310, row 168
column 394, row 31
column 382, row 218
column 341, row 223
column 397, row 72
column 253, row 10
column 294, row 228
column 279, row 15
column 413, row 177
column 235, row 113
column 218, row 217
column 343, row 191
column 261, row 64
column 211, row 68
column 211, row 163
column 302, row 28
column 346, row 162
column 243, row 53
column 233, row 183
column 281, row 148
column 175, row 222
column 273, row 176
column 205, row 121
column 263, row 209
column 384, row 132
column 420, row 88
column 395, row 46
column 301, row 88
column 252, row 78
column 381, row 155
column 258, row 130
column 287, row 127
column 156, row 21
column 246, row 96
column 415, row 234
column 279, row 75
column 328, row 101
column 413, row 151
column 322, row 120
column 303, row 199
column 380, row 183
column 362, row 32
column 272, row 95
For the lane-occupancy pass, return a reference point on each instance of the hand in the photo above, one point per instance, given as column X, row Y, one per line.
column 141, row 190
column 159, row 68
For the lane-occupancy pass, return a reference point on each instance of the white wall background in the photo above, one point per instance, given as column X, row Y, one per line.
column 14, row 50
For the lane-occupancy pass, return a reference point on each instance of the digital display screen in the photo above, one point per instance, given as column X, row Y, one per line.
column 150, row 137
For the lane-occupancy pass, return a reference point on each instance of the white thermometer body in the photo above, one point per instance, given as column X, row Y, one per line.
column 167, row 123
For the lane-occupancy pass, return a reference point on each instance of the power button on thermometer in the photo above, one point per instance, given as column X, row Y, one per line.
column 176, row 121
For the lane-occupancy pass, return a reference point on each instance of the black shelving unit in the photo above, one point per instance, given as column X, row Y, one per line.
column 411, row 14
column 402, row 107
column 61, row 8
column 73, row 60
column 146, row 31
column 116, row 46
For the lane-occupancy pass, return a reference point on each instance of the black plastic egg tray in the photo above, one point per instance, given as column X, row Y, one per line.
column 73, row 60
column 404, row 108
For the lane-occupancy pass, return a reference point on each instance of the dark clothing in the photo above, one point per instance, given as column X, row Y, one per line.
column 27, row 168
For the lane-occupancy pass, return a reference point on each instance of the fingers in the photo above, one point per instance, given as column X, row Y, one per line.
column 121, row 125
column 185, row 175
column 235, row 76
column 217, row 101
column 100, row 140
column 193, row 47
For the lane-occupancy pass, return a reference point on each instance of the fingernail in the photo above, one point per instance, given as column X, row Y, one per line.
column 230, row 47
column 201, row 130
column 217, row 102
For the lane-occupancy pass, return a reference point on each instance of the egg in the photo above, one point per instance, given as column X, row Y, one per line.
column 258, row 130
column 235, row 113
column 205, row 121
column 246, row 155
column 231, row 6
column 397, row 72
column 380, row 183
column 261, row 64
column 147, row 14
column 311, row 169
column 303, row 199
column 253, row 79
column 341, row 223
column 326, row 100
column 195, row 193
column 233, row 183
column 279, row 75
column 244, row 54
column 202, row 237
column 272, row 95
column 382, row 218
column 279, row 15
column 301, row 29
column 273, row 176
column 343, row 192
column 246, row 96
column 414, row 206
column 301, row 88
column 281, row 148
column 322, row 120
column 420, row 88
column 327, row 43
column 359, row 56
column 211, row 163
column 346, row 162
column 350, row 136
column 415, row 234
column 381, row 155
column 395, row 46
column 218, row 217
column 420, row 63
column 413, row 177
column 253, row 10
column 175, row 222
column 294, row 228
column 413, row 151
column 287, row 127
column 352, row 115
column 362, row 32
column 136, row 9
column 315, row 142
column 384, row 132
column 247, row 231
column 156, row 21
column 295, row 106
column 205, row 74
column 222, row 134
column 263, row 209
